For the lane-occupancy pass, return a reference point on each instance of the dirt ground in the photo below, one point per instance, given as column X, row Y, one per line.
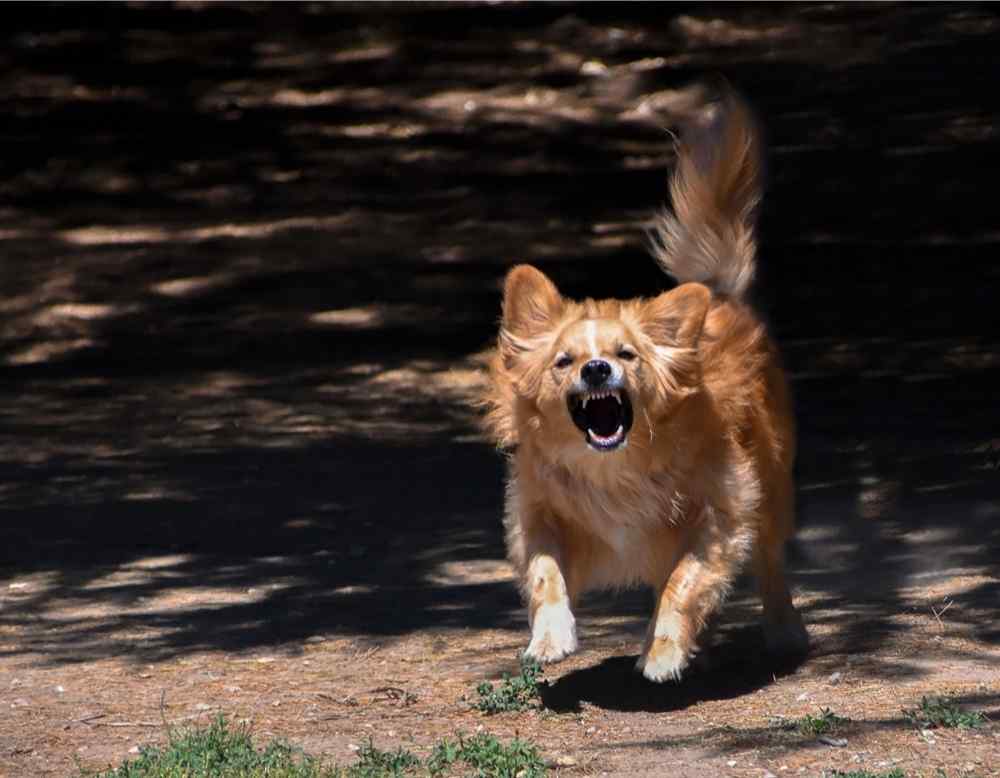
column 251, row 259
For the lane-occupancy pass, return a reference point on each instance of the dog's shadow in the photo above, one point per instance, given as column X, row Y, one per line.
column 739, row 666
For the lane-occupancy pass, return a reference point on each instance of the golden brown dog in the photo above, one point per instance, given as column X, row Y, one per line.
column 653, row 438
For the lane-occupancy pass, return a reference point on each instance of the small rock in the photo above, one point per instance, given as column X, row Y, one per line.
column 60, row 690
column 134, row 750
column 563, row 761
column 16, row 586
column 353, row 747
column 203, row 706
column 802, row 697
column 234, row 689
column 834, row 678
column 593, row 67
column 836, row 742
column 769, row 774
column 731, row 763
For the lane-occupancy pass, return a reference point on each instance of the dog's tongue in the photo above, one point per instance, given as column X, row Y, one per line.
column 603, row 416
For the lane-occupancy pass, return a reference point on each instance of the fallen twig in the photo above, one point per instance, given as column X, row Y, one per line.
column 345, row 700
column 396, row 694
column 150, row 723
column 88, row 718
column 939, row 613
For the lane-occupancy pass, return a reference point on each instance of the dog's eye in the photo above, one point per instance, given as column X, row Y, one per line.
column 564, row 361
column 627, row 354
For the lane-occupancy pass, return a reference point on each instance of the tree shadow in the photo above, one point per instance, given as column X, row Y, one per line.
column 251, row 255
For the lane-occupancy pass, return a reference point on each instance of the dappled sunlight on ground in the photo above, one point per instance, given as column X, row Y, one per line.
column 252, row 259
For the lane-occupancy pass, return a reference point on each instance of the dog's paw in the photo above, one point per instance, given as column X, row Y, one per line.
column 787, row 637
column 664, row 660
column 553, row 634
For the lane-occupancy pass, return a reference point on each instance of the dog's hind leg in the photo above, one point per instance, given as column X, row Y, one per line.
column 784, row 633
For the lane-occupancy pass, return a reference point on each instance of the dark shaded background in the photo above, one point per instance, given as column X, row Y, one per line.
column 243, row 246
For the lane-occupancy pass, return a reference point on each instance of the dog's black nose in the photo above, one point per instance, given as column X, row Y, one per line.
column 595, row 372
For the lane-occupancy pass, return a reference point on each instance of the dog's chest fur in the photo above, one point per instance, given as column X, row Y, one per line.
column 617, row 509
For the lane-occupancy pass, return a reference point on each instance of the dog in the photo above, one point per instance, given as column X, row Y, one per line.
column 652, row 439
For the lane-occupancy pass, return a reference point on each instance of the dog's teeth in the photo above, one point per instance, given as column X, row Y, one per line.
column 586, row 399
column 617, row 396
column 607, row 438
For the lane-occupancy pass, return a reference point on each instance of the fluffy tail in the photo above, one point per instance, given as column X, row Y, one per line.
column 715, row 189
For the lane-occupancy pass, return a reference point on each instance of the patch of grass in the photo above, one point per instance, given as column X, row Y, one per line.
column 942, row 712
column 826, row 722
column 375, row 763
column 489, row 757
column 222, row 750
column 895, row 772
column 512, row 694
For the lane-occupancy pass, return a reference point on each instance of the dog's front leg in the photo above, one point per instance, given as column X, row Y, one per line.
column 553, row 628
column 693, row 591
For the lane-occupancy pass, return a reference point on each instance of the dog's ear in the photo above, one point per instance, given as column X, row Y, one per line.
column 531, row 302
column 676, row 318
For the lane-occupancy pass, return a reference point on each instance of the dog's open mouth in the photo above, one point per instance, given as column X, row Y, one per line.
column 604, row 415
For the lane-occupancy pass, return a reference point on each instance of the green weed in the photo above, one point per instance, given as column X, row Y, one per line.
column 221, row 750
column 512, row 694
column 375, row 763
column 489, row 757
column 942, row 712
column 826, row 722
